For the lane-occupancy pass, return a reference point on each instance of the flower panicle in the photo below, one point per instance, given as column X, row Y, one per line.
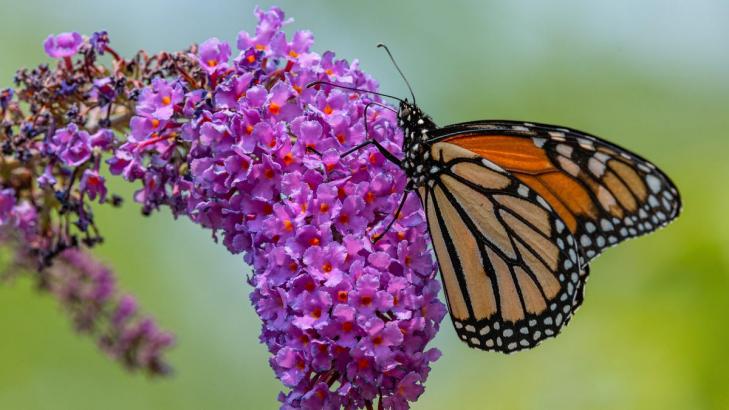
column 57, row 126
column 88, row 293
column 241, row 145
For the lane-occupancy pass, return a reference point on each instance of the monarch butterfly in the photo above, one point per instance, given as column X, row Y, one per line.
column 516, row 210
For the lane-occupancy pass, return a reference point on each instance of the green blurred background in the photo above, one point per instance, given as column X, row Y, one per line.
column 650, row 75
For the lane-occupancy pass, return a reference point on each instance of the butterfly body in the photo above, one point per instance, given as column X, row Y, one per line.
column 417, row 127
column 516, row 211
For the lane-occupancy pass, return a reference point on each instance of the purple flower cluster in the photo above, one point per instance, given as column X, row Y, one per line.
column 55, row 129
column 86, row 289
column 243, row 146
column 346, row 320
column 20, row 215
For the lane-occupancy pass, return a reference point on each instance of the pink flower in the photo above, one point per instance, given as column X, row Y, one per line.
column 63, row 45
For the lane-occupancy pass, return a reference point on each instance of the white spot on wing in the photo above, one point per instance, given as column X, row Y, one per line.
column 606, row 225
column 569, row 166
column 586, row 144
column 585, row 241
column 543, row 203
column 523, row 190
column 596, row 167
column 653, row 183
column 565, row 150
column 559, row 136
column 491, row 165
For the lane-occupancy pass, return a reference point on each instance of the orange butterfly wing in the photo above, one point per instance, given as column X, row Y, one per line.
column 511, row 270
column 603, row 193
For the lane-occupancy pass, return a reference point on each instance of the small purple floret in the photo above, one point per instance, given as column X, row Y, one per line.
column 63, row 45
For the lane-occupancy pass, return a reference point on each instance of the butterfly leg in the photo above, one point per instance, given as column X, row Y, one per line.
column 379, row 147
column 374, row 142
column 310, row 149
column 405, row 194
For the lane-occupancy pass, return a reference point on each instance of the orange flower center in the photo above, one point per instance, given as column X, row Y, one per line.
column 363, row 363
column 166, row 100
column 300, row 364
column 212, row 62
column 369, row 197
column 274, row 108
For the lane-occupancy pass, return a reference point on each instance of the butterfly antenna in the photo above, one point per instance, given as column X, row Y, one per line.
column 412, row 94
column 359, row 90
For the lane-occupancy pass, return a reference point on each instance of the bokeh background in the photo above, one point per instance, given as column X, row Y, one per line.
column 651, row 75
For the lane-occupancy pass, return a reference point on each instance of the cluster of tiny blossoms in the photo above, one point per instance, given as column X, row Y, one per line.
column 56, row 128
column 243, row 146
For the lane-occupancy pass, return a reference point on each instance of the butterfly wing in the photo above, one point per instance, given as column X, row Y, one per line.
column 604, row 193
column 510, row 266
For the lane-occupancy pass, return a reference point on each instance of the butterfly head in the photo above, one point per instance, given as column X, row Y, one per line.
column 414, row 122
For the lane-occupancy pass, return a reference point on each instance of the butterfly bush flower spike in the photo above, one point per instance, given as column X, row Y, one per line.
column 241, row 145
